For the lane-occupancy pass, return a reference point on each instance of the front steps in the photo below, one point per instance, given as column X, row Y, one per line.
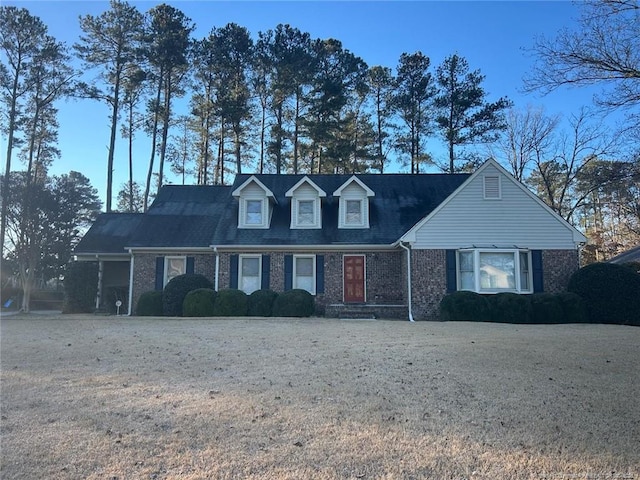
column 366, row 311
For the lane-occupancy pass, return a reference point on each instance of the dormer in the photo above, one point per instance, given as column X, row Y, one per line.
column 306, row 206
column 354, row 204
column 255, row 204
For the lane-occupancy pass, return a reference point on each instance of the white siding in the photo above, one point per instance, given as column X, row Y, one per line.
column 306, row 192
column 253, row 191
column 515, row 219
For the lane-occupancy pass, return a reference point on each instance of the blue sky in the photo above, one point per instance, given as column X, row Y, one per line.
column 492, row 36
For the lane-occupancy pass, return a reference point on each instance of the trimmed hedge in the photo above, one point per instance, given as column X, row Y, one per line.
column 465, row 306
column 611, row 293
column 573, row 308
column 199, row 303
column 507, row 307
column 547, row 308
column 230, row 302
column 294, row 303
column 260, row 303
column 176, row 290
column 150, row 304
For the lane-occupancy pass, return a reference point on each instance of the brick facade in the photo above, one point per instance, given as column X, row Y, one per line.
column 557, row 267
column 428, row 283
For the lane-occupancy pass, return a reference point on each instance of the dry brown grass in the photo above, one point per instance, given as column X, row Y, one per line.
column 143, row 398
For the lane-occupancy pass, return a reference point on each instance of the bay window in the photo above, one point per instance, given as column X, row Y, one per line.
column 493, row 271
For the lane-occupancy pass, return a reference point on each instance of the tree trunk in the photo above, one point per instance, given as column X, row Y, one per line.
column 154, row 136
column 112, row 141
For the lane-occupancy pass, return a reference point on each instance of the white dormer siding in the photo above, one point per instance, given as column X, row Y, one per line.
column 255, row 204
column 306, row 205
column 488, row 213
column 354, row 204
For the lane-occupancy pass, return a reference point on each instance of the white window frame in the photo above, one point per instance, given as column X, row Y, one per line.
column 517, row 270
column 316, row 213
column 167, row 261
column 294, row 274
column 241, row 259
column 346, row 221
column 245, row 213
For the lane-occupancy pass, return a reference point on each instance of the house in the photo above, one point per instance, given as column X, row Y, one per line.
column 369, row 245
column 631, row 255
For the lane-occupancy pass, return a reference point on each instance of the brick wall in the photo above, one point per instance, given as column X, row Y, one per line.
column 557, row 267
column 428, row 283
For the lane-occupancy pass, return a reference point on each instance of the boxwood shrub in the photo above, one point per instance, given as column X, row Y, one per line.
column 230, row 302
column 199, row 303
column 547, row 308
column 464, row 306
column 150, row 304
column 260, row 303
column 573, row 308
column 294, row 303
column 177, row 289
column 507, row 307
column 610, row 292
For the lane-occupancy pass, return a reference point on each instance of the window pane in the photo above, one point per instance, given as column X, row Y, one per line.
column 497, row 271
column 305, row 212
column 250, row 284
column 254, row 212
column 250, row 266
column 305, row 283
column 465, row 270
column 304, row 267
column 175, row 267
column 354, row 211
column 524, row 271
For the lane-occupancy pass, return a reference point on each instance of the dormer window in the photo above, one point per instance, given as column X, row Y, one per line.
column 255, row 204
column 253, row 212
column 354, row 204
column 306, row 204
column 353, row 213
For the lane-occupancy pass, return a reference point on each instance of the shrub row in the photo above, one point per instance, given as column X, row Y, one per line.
column 513, row 308
column 192, row 295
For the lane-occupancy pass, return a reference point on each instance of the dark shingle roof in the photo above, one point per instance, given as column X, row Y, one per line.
column 400, row 201
column 109, row 234
column 631, row 255
column 201, row 216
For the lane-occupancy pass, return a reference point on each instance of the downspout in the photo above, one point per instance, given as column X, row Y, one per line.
column 131, row 284
column 99, row 291
column 215, row 250
column 408, row 280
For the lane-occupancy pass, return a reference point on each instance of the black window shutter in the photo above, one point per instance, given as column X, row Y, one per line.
column 536, row 268
column 319, row 273
column 233, row 271
column 266, row 272
column 451, row 267
column 159, row 273
column 190, row 265
column 288, row 272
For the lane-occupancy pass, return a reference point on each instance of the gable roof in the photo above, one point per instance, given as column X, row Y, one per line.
column 308, row 181
column 631, row 255
column 400, row 201
column 109, row 234
column 354, row 179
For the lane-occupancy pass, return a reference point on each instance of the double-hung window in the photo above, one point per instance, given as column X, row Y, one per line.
column 306, row 213
column 174, row 266
column 493, row 271
column 250, row 273
column 253, row 212
column 304, row 273
column 353, row 213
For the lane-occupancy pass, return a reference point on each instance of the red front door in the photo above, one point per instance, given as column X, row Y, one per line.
column 354, row 279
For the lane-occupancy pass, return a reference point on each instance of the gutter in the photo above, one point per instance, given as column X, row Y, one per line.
column 216, row 275
column 408, row 280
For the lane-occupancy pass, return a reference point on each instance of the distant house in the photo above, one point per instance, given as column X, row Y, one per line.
column 386, row 246
column 631, row 255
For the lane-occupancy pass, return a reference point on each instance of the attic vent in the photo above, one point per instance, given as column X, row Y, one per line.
column 492, row 187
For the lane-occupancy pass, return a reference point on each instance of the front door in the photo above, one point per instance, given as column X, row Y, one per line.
column 354, row 279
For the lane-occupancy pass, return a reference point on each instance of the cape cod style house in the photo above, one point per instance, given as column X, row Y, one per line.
column 383, row 246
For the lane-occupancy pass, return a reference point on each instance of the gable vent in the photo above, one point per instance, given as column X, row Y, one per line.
column 492, row 187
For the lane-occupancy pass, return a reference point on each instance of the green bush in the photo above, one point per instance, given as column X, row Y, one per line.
column 177, row 289
column 573, row 308
column 294, row 303
column 150, row 304
column 199, row 303
column 464, row 306
column 611, row 293
column 260, row 303
column 230, row 303
column 634, row 266
column 80, row 287
column 547, row 308
column 507, row 307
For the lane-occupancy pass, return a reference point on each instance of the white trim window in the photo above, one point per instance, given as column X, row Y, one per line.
column 250, row 273
column 304, row 273
column 306, row 213
column 254, row 212
column 494, row 270
column 354, row 212
column 173, row 267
